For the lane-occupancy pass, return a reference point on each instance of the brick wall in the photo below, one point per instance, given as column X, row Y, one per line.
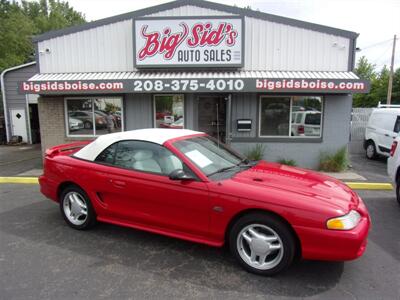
column 52, row 122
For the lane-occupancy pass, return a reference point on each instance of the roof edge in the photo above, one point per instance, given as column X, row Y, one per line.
column 17, row 67
column 203, row 4
column 275, row 18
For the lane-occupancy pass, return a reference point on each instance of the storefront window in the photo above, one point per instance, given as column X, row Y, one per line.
column 302, row 113
column 169, row 111
column 93, row 116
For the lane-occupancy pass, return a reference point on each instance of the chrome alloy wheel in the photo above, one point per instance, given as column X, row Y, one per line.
column 75, row 208
column 260, row 246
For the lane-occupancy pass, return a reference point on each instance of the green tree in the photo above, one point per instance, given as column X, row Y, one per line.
column 364, row 69
column 19, row 22
column 379, row 85
column 396, row 87
column 15, row 35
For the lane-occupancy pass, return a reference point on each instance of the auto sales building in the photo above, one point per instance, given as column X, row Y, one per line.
column 243, row 76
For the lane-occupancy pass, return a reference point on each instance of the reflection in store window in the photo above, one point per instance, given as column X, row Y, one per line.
column 306, row 116
column 298, row 116
column 274, row 116
column 94, row 116
column 169, row 111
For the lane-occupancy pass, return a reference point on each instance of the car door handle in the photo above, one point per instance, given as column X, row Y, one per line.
column 386, row 134
column 118, row 183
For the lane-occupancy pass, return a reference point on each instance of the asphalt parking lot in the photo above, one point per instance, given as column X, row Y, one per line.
column 42, row 258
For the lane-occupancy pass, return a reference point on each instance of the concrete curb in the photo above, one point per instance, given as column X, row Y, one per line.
column 353, row 185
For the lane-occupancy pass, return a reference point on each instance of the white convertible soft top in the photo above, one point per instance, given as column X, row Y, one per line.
column 153, row 135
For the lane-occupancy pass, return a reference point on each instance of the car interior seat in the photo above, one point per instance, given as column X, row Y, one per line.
column 170, row 163
column 144, row 161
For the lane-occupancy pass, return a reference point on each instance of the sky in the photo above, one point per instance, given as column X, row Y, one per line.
column 375, row 20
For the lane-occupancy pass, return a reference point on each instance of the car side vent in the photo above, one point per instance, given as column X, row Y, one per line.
column 100, row 197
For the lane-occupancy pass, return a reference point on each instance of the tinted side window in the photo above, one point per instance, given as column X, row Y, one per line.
column 397, row 125
column 107, row 156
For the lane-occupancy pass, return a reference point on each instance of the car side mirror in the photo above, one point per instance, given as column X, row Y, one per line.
column 179, row 174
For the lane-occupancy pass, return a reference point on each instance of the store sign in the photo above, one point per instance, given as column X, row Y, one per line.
column 197, row 85
column 189, row 42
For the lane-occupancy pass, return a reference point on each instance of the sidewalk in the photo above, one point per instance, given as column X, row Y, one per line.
column 24, row 160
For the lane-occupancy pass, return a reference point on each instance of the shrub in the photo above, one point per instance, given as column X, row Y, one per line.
column 335, row 162
column 256, row 153
column 289, row 162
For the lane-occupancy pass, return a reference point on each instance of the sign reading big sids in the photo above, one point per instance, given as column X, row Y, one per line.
column 189, row 42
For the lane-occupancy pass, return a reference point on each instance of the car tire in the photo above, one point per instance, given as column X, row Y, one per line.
column 262, row 243
column 87, row 125
column 398, row 191
column 370, row 150
column 76, row 208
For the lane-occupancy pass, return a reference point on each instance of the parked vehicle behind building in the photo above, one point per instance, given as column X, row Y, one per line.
column 383, row 126
column 306, row 123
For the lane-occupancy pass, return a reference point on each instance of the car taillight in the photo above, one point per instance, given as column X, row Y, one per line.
column 300, row 129
column 393, row 148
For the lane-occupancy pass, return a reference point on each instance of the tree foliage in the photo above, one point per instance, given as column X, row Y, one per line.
column 20, row 21
column 379, row 81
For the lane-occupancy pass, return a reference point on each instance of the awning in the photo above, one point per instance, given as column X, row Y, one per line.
column 196, row 82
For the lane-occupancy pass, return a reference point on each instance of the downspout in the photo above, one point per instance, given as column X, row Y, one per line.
column 3, row 93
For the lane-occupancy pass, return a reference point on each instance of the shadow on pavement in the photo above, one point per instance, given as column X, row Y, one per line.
column 385, row 216
column 173, row 259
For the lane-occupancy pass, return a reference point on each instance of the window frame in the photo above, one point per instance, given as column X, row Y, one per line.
column 289, row 136
column 169, row 94
column 66, row 114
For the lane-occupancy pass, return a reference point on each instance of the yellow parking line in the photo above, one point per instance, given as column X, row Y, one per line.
column 370, row 185
column 26, row 180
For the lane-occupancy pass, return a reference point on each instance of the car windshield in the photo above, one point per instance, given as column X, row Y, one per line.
column 208, row 155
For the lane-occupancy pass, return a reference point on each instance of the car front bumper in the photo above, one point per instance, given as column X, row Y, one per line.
column 336, row 245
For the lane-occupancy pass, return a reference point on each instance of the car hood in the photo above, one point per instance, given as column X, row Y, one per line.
column 295, row 183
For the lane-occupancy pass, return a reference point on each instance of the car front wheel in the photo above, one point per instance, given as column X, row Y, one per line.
column 76, row 208
column 262, row 244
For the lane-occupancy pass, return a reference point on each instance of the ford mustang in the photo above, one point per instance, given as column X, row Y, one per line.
column 187, row 185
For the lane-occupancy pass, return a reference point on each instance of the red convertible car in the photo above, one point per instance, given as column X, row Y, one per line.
column 185, row 184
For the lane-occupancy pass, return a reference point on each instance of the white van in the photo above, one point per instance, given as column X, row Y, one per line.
column 383, row 127
column 306, row 123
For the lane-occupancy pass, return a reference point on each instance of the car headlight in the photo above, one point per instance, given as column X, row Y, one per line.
column 345, row 222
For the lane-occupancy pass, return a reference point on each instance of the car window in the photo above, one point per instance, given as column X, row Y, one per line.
column 107, row 156
column 313, row 119
column 143, row 156
column 298, row 119
column 397, row 125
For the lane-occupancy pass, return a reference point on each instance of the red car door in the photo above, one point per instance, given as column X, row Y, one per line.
column 136, row 190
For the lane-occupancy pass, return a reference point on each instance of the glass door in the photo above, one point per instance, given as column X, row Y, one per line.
column 212, row 116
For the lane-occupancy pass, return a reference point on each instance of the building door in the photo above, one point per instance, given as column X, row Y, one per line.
column 34, row 122
column 212, row 116
column 18, row 123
